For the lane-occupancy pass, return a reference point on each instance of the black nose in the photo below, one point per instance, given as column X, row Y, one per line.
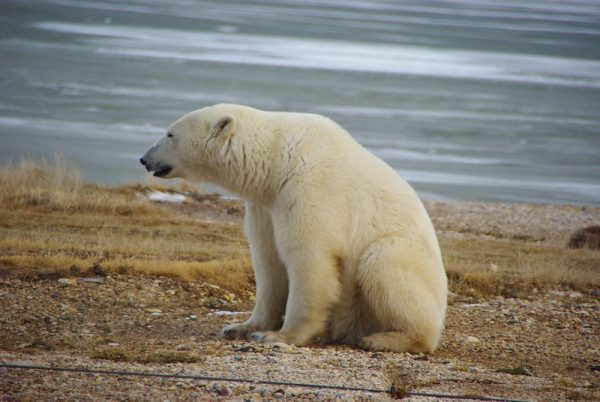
column 143, row 161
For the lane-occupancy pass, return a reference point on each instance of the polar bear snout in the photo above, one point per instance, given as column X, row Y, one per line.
column 159, row 169
column 155, row 160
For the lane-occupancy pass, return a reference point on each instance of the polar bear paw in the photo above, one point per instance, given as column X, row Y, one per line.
column 237, row 331
column 269, row 337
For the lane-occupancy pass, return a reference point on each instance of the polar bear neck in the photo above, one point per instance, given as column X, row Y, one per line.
column 256, row 162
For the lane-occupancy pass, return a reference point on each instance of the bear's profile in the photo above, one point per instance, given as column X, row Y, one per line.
column 341, row 246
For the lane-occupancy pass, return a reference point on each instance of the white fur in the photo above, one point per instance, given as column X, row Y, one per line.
column 341, row 245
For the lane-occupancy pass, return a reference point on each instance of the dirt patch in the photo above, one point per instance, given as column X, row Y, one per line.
column 540, row 348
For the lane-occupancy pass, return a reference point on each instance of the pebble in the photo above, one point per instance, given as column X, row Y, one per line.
column 472, row 339
column 280, row 347
column 221, row 389
column 475, row 369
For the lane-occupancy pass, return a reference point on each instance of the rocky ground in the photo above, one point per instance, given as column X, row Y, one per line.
column 543, row 345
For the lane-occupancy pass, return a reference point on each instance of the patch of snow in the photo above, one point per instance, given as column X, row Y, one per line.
column 161, row 196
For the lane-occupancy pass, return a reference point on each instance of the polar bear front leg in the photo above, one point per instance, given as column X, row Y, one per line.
column 270, row 275
column 314, row 288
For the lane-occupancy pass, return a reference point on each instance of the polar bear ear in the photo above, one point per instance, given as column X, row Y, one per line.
column 225, row 125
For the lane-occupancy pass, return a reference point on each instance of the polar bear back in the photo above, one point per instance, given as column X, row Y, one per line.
column 366, row 197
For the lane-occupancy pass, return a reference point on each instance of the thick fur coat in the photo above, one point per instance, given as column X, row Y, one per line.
column 341, row 245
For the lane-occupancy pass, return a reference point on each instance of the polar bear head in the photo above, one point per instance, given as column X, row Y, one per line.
column 195, row 147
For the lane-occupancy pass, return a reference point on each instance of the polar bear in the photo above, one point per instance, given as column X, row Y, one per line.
column 342, row 248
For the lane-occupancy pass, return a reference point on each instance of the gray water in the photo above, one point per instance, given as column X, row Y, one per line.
column 468, row 100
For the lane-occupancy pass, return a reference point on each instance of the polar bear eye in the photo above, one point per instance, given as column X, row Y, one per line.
column 170, row 135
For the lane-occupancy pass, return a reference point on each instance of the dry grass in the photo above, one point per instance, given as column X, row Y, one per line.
column 515, row 268
column 58, row 186
column 54, row 223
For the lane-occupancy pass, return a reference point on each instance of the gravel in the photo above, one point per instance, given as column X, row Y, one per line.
column 541, row 348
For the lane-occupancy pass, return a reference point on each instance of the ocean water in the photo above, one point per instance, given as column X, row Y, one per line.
column 495, row 100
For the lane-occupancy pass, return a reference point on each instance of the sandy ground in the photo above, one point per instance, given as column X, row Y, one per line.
column 541, row 346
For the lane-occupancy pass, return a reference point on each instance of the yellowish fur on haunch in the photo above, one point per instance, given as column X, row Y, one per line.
column 340, row 243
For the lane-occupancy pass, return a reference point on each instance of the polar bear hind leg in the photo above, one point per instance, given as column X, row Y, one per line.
column 403, row 285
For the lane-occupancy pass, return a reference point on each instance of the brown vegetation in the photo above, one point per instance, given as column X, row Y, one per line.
column 51, row 221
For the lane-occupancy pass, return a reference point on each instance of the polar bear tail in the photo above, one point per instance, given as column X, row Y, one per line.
column 404, row 286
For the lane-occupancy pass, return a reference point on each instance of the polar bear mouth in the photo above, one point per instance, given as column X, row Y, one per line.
column 163, row 171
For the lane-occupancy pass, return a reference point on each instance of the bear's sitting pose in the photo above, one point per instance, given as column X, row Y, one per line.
column 341, row 246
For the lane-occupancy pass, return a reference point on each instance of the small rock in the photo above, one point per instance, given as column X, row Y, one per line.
column 280, row 346
column 472, row 339
column 237, row 357
column 585, row 237
column 574, row 294
column 113, row 344
column 493, row 268
column 152, row 310
column 181, row 347
column 246, row 348
column 595, row 367
column 193, row 317
column 221, row 389
column 67, row 281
